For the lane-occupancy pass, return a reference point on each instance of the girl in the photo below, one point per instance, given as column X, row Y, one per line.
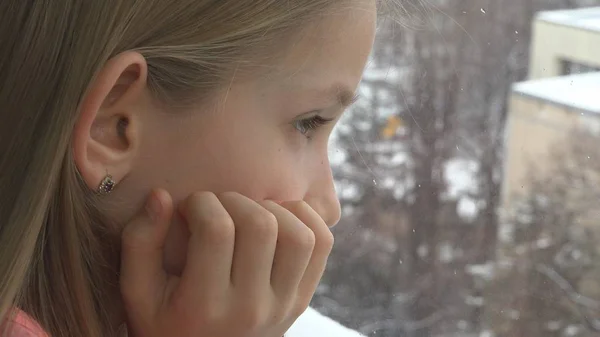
column 124, row 127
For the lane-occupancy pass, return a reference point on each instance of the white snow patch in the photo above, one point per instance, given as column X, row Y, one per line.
column 423, row 251
column 574, row 91
column 446, row 253
column 487, row 333
column 467, row 208
column 387, row 74
column 514, row 314
column 485, row 271
column 475, row 301
column 461, row 176
column 572, row 330
column 553, row 325
column 336, row 156
column 313, row 324
column 543, row 243
column 346, row 191
column 506, row 232
column 582, row 18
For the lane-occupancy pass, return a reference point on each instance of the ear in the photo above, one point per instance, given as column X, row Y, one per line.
column 106, row 135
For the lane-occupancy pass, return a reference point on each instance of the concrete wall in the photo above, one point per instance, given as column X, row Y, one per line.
column 552, row 43
column 534, row 129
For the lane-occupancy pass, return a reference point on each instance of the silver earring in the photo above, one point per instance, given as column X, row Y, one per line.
column 106, row 185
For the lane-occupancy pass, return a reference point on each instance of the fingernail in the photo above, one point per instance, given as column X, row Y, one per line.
column 153, row 206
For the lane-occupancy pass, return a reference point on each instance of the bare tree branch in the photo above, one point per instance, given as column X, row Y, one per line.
column 582, row 303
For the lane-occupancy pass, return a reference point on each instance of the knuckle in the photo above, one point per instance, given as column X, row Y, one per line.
column 215, row 221
column 196, row 198
column 264, row 225
column 305, row 240
column 229, row 195
column 191, row 207
column 220, row 229
column 324, row 240
column 295, row 206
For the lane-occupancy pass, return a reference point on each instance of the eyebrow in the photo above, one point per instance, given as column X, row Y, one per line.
column 342, row 95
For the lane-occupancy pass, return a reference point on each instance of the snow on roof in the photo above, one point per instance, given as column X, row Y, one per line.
column 583, row 18
column 577, row 92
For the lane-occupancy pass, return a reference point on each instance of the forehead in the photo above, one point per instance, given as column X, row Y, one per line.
column 330, row 54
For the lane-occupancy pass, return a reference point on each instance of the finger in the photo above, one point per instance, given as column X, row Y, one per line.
column 255, row 241
column 206, row 275
column 323, row 245
column 142, row 275
column 295, row 244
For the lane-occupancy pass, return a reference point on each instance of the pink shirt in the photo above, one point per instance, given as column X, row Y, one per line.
column 24, row 326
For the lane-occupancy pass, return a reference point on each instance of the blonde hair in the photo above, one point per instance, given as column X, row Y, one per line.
column 55, row 251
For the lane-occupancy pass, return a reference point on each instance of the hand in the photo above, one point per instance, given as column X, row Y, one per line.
column 251, row 270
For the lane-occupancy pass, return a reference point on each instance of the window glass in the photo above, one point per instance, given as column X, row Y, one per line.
column 468, row 175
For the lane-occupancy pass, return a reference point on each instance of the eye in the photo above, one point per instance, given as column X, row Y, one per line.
column 305, row 126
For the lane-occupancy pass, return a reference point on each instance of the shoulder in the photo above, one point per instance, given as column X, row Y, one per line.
column 314, row 324
column 24, row 326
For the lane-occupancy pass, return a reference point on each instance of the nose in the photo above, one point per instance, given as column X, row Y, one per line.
column 322, row 196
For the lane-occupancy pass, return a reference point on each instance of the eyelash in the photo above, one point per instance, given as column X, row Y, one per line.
column 305, row 126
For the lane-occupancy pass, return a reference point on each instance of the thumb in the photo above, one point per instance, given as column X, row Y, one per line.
column 142, row 251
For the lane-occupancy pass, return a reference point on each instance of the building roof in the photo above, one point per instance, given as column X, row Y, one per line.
column 578, row 92
column 583, row 18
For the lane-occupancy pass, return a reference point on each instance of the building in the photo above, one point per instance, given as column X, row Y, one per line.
column 544, row 113
column 562, row 95
column 565, row 42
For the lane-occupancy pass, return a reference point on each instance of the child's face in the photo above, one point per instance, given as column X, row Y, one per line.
column 255, row 141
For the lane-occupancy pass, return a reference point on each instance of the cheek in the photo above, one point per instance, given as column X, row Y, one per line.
column 262, row 168
column 275, row 176
column 282, row 178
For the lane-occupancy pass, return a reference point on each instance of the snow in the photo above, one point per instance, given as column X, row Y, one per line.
column 461, row 176
column 553, row 325
column 583, row 18
column 487, row 333
column 446, row 253
column 346, row 191
column 388, row 182
column 467, row 208
column 313, row 324
column 475, row 301
column 485, row 271
column 543, row 243
column 423, row 251
column 578, row 92
column 506, row 232
column 514, row 314
column 336, row 155
column 572, row 330
column 374, row 72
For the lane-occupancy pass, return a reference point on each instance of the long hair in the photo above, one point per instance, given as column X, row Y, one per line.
column 55, row 252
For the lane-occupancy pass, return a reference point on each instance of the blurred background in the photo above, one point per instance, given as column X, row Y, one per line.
column 469, row 175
